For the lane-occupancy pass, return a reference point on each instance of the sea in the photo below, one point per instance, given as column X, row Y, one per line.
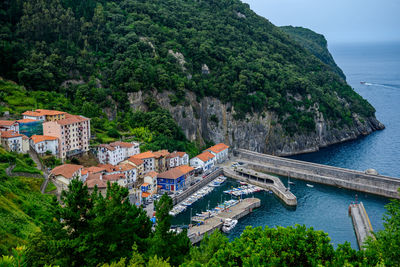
column 323, row 207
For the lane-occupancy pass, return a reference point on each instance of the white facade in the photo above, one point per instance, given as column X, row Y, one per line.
column 177, row 159
column 205, row 165
column 36, row 118
column 220, row 151
column 9, row 126
column 116, row 152
column 45, row 145
column 12, row 141
column 149, row 165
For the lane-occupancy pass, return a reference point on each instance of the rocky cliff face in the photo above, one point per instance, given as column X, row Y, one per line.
column 210, row 119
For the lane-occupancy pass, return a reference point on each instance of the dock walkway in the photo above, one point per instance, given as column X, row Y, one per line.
column 361, row 223
column 246, row 206
column 262, row 180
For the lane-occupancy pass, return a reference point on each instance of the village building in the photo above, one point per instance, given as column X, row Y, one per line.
column 73, row 133
column 96, row 179
column 63, row 174
column 43, row 143
column 129, row 172
column 44, row 115
column 220, row 151
column 174, row 179
column 30, row 127
column 161, row 160
column 116, row 152
column 9, row 126
column 205, row 161
column 150, row 183
column 176, row 159
column 138, row 163
column 14, row 142
column 149, row 160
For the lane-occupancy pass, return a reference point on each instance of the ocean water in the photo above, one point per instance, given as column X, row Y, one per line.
column 323, row 207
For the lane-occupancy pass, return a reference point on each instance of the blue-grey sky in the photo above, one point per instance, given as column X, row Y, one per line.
column 339, row 20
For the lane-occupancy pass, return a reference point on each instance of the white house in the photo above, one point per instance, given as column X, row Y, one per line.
column 150, row 180
column 220, row 151
column 116, row 152
column 148, row 159
column 64, row 173
column 129, row 172
column 43, row 143
column 13, row 141
column 9, row 126
column 205, row 160
column 176, row 159
column 33, row 115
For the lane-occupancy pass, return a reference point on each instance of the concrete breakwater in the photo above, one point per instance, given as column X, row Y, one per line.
column 361, row 223
column 318, row 173
column 262, row 180
column 244, row 207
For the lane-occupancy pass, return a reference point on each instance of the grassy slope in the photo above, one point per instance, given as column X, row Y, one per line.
column 21, row 207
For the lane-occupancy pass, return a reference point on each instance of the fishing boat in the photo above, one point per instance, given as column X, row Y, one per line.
column 309, row 185
column 228, row 225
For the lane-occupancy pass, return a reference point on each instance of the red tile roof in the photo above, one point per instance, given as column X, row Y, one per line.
column 161, row 153
column 205, row 156
column 121, row 144
column 40, row 138
column 176, row 154
column 9, row 134
column 107, row 147
column 113, row 177
column 70, row 119
column 152, row 174
column 108, row 167
column 66, row 170
column 145, row 184
column 218, row 148
column 94, row 169
column 95, row 179
column 32, row 113
column 50, row 112
column 175, row 173
column 146, row 194
column 125, row 167
column 136, row 161
column 144, row 155
column 26, row 120
column 6, row 123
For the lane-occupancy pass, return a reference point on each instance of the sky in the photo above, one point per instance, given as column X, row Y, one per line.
column 341, row 21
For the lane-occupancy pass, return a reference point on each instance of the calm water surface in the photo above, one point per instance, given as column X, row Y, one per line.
column 323, row 207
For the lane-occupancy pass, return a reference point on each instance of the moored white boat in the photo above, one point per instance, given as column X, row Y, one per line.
column 228, row 225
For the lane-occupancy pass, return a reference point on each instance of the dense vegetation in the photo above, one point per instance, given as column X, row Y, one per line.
column 155, row 128
column 95, row 230
column 314, row 43
column 107, row 49
column 22, row 206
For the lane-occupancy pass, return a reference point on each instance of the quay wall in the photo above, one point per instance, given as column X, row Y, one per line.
column 361, row 223
column 192, row 189
column 334, row 176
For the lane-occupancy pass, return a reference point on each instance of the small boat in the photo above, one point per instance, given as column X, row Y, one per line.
column 243, row 183
column 309, row 185
column 228, row 225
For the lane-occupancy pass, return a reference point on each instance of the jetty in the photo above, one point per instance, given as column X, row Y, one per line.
column 262, row 180
column 244, row 207
column 339, row 177
column 361, row 223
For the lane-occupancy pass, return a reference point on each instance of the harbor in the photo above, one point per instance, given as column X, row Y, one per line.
column 241, row 209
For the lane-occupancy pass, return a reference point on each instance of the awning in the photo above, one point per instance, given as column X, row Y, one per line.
column 145, row 184
column 146, row 194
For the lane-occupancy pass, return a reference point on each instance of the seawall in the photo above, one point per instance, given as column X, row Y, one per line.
column 361, row 223
column 318, row 173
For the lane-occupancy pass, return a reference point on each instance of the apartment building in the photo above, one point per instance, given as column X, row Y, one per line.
column 9, row 126
column 44, row 115
column 149, row 160
column 116, row 152
column 43, row 143
column 73, row 133
column 13, row 141
column 176, row 159
column 220, row 151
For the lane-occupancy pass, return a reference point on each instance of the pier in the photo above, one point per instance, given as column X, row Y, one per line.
column 361, row 223
column 323, row 174
column 244, row 207
column 262, row 180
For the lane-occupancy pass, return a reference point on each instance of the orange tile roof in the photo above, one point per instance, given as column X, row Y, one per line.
column 152, row 174
column 25, row 137
column 176, row 154
column 121, row 144
column 9, row 134
column 185, row 169
column 136, row 161
column 173, row 173
column 218, row 148
column 108, row 167
column 94, row 169
column 144, row 155
column 95, row 179
column 66, row 170
column 32, row 113
column 125, row 167
column 146, row 194
column 26, row 120
column 145, row 184
column 70, row 119
column 48, row 112
column 40, row 138
column 107, row 147
column 113, row 177
column 205, row 156
column 6, row 123
column 161, row 153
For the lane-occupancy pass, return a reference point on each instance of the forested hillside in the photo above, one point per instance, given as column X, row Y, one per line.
column 96, row 52
column 315, row 43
